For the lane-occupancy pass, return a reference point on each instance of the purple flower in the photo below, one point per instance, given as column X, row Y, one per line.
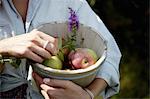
column 73, row 23
column 73, row 26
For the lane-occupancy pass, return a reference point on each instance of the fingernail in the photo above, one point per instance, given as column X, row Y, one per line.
column 41, row 85
column 46, row 80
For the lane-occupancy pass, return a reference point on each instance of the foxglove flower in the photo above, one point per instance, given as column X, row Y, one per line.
column 73, row 26
column 70, row 42
column 73, row 23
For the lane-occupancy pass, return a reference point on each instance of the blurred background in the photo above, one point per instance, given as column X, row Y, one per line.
column 128, row 21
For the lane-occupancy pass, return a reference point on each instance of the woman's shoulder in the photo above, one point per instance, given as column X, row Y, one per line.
column 71, row 2
column 3, row 16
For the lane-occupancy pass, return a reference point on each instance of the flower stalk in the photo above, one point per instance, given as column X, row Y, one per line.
column 73, row 26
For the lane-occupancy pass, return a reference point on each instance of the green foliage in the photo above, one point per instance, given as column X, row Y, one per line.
column 15, row 62
column 134, row 78
column 92, row 2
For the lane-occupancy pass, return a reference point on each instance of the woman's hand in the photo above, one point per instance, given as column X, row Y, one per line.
column 29, row 46
column 60, row 89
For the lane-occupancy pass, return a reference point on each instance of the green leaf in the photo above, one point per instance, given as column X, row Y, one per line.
column 59, row 43
column 60, row 55
column 15, row 62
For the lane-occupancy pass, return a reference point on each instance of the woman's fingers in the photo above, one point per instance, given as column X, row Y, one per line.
column 46, row 87
column 31, row 55
column 51, row 48
column 63, row 89
column 44, row 41
column 46, row 37
column 58, row 83
column 46, row 45
column 52, row 45
column 45, row 94
column 40, row 51
column 30, row 45
column 37, row 79
column 52, row 92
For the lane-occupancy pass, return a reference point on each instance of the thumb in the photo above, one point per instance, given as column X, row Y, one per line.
column 37, row 79
column 58, row 83
column 45, row 94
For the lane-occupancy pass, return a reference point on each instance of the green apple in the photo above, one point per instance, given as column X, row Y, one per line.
column 53, row 62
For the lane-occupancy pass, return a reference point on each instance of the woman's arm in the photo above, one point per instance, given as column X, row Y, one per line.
column 64, row 89
column 97, row 86
column 29, row 46
column 109, row 70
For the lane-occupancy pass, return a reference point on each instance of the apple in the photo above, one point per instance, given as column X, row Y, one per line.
column 53, row 62
column 82, row 58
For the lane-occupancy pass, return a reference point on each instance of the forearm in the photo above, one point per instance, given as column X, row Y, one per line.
column 97, row 86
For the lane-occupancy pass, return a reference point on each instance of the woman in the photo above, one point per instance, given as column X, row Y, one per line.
column 19, row 38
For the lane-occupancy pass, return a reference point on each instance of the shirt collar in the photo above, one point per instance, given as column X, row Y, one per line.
column 32, row 9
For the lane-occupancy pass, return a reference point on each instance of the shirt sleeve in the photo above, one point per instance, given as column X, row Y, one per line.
column 109, row 70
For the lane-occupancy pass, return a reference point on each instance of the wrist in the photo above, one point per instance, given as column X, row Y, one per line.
column 91, row 95
column 3, row 49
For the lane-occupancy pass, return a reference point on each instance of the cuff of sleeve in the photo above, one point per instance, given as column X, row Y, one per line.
column 106, row 77
column 111, row 76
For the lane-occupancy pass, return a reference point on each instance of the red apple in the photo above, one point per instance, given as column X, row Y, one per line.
column 82, row 57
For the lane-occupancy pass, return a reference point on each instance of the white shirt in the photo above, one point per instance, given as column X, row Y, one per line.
column 45, row 11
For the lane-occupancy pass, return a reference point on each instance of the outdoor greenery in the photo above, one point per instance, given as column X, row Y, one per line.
column 128, row 21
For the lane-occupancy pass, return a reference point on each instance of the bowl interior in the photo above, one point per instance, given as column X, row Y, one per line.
column 86, row 37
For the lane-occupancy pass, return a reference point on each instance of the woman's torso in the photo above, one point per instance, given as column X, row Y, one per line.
column 11, row 24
